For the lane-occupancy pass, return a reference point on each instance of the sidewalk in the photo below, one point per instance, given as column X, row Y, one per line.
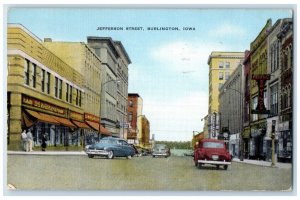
column 52, row 153
column 263, row 163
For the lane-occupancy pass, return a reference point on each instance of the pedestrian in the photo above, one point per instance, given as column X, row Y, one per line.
column 29, row 140
column 24, row 140
column 44, row 139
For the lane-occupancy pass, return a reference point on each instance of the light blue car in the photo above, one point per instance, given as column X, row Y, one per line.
column 110, row 147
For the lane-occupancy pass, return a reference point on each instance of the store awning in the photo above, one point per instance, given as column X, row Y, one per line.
column 80, row 124
column 104, row 131
column 64, row 121
column 43, row 117
column 26, row 120
column 94, row 125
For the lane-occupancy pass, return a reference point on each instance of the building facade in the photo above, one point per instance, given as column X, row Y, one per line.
column 285, row 126
column 231, row 98
column 221, row 65
column 122, row 88
column 145, row 133
column 44, row 93
column 85, row 61
column 106, row 50
column 135, row 110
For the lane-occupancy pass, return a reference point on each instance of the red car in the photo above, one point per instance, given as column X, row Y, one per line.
column 212, row 151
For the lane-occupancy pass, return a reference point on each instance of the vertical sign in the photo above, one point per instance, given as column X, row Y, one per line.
column 261, row 80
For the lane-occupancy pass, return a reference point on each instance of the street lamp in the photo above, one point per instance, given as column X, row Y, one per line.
column 242, row 120
column 101, row 90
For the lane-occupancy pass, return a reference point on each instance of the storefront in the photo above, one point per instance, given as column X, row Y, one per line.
column 257, row 145
column 92, row 135
column 43, row 117
column 285, row 145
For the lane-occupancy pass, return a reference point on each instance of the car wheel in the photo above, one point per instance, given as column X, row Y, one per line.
column 153, row 156
column 110, row 155
column 90, row 156
column 225, row 167
column 218, row 166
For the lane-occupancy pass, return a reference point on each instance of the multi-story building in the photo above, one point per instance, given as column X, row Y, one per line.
column 258, row 93
column 285, row 126
column 221, row 65
column 122, row 88
column 114, row 70
column 85, row 61
column 231, row 98
column 135, row 110
column 246, row 102
column 44, row 93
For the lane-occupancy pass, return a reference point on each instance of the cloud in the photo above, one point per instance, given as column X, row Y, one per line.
column 176, row 119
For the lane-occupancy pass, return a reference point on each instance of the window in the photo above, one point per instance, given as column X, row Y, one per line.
column 220, row 75
column 227, row 65
column 67, row 92
column 227, row 74
column 221, row 65
column 80, row 98
column 43, row 80
column 48, row 83
column 130, row 103
column 130, row 116
column 77, row 96
column 34, row 75
column 71, row 94
column 60, row 89
column 56, row 86
column 255, row 116
column 274, row 100
column 27, row 64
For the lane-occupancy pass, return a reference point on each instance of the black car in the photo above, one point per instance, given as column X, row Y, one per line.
column 110, row 147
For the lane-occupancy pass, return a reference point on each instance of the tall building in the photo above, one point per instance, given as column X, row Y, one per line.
column 231, row 110
column 44, row 93
column 286, row 86
column 135, row 110
column 114, row 76
column 221, row 65
column 85, row 61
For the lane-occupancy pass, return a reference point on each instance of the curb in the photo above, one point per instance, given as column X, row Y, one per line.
column 46, row 153
column 264, row 163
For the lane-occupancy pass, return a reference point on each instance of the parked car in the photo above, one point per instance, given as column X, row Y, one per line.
column 110, row 147
column 161, row 150
column 212, row 151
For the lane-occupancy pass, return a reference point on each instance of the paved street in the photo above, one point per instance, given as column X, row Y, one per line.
column 78, row 172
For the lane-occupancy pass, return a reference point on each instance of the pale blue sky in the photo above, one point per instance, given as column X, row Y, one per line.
column 169, row 68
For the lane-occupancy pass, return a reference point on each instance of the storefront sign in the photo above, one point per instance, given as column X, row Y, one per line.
column 76, row 116
column 42, row 105
column 91, row 117
column 261, row 80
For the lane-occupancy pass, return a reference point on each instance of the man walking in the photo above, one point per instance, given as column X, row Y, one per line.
column 30, row 140
column 24, row 140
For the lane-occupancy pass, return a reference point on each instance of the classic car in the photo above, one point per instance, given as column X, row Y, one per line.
column 213, row 152
column 161, row 150
column 110, row 147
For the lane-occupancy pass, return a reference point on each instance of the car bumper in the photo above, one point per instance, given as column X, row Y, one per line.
column 213, row 162
column 97, row 152
column 160, row 154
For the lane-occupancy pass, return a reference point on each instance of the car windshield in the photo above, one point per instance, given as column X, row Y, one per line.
column 213, row 145
column 160, row 146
